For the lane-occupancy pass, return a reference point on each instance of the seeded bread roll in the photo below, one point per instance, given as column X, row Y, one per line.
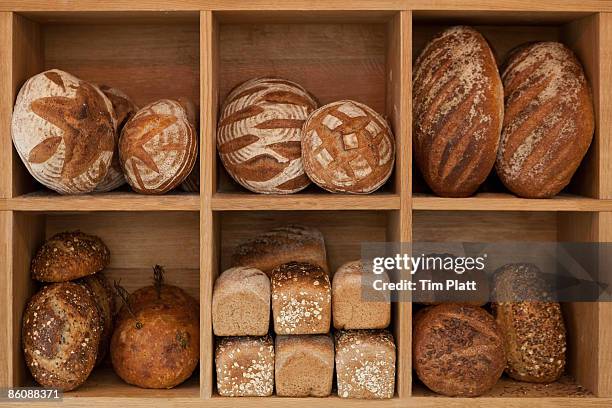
column 241, row 303
column 458, row 108
column 301, row 299
column 60, row 335
column 292, row 243
column 365, row 364
column 304, row 366
column 534, row 332
column 457, row 350
column 69, row 255
column 245, row 366
column 355, row 304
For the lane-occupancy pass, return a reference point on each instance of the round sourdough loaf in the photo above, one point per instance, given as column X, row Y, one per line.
column 457, row 109
column 549, row 120
column 458, row 350
column 63, row 129
column 259, row 135
column 123, row 110
column 69, row 255
column 60, row 335
column 158, row 147
column 348, row 148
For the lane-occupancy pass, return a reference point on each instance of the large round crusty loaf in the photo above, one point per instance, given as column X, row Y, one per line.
column 458, row 350
column 69, row 255
column 60, row 335
column 348, row 147
column 159, row 146
column 63, row 129
column 533, row 331
column 549, row 119
column 457, row 111
column 259, row 135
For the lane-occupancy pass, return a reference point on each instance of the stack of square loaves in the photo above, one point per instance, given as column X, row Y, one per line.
column 285, row 270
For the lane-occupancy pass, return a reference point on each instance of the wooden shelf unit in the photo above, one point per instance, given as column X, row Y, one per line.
column 362, row 49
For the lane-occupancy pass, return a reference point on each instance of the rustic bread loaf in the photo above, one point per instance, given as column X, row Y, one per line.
column 192, row 182
column 549, row 120
column 156, row 342
column 301, row 299
column 241, row 303
column 457, row 111
column 123, row 110
column 158, row 147
column 63, row 129
column 281, row 245
column 304, row 366
column 533, row 331
column 355, row 304
column 457, row 350
column 69, row 255
column 60, row 335
column 245, row 366
column 365, row 364
column 348, row 147
column 259, row 135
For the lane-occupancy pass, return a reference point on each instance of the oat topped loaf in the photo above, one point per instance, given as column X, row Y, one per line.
column 301, row 299
column 69, row 255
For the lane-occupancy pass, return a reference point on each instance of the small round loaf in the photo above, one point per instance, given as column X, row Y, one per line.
column 69, row 255
column 64, row 131
column 158, row 147
column 533, row 331
column 348, row 148
column 549, row 119
column 60, row 335
column 123, row 110
column 156, row 342
column 457, row 111
column 458, row 350
column 259, row 135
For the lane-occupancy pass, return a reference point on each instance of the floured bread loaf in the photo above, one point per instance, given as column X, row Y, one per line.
column 348, row 148
column 549, row 120
column 259, row 135
column 457, row 111
column 63, row 129
column 123, row 109
column 159, row 146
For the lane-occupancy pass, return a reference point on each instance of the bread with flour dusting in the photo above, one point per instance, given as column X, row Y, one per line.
column 549, row 120
column 457, row 105
column 259, row 135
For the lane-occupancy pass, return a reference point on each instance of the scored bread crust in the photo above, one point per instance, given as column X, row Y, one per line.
column 458, row 109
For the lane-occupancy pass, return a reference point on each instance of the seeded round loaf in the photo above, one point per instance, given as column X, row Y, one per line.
column 103, row 295
column 348, row 147
column 549, row 120
column 457, row 110
column 63, row 129
column 458, row 350
column 534, row 332
column 69, row 255
column 60, row 335
column 259, row 133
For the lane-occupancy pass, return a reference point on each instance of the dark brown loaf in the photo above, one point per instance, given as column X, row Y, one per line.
column 458, row 350
column 549, row 119
column 60, row 335
column 69, row 255
column 533, row 331
column 457, row 105
column 282, row 245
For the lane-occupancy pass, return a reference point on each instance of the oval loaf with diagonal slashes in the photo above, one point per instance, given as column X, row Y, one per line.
column 549, row 120
column 259, row 135
column 457, row 109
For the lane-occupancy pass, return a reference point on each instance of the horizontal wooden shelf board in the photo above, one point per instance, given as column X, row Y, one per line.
column 509, row 202
column 114, row 201
column 322, row 201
